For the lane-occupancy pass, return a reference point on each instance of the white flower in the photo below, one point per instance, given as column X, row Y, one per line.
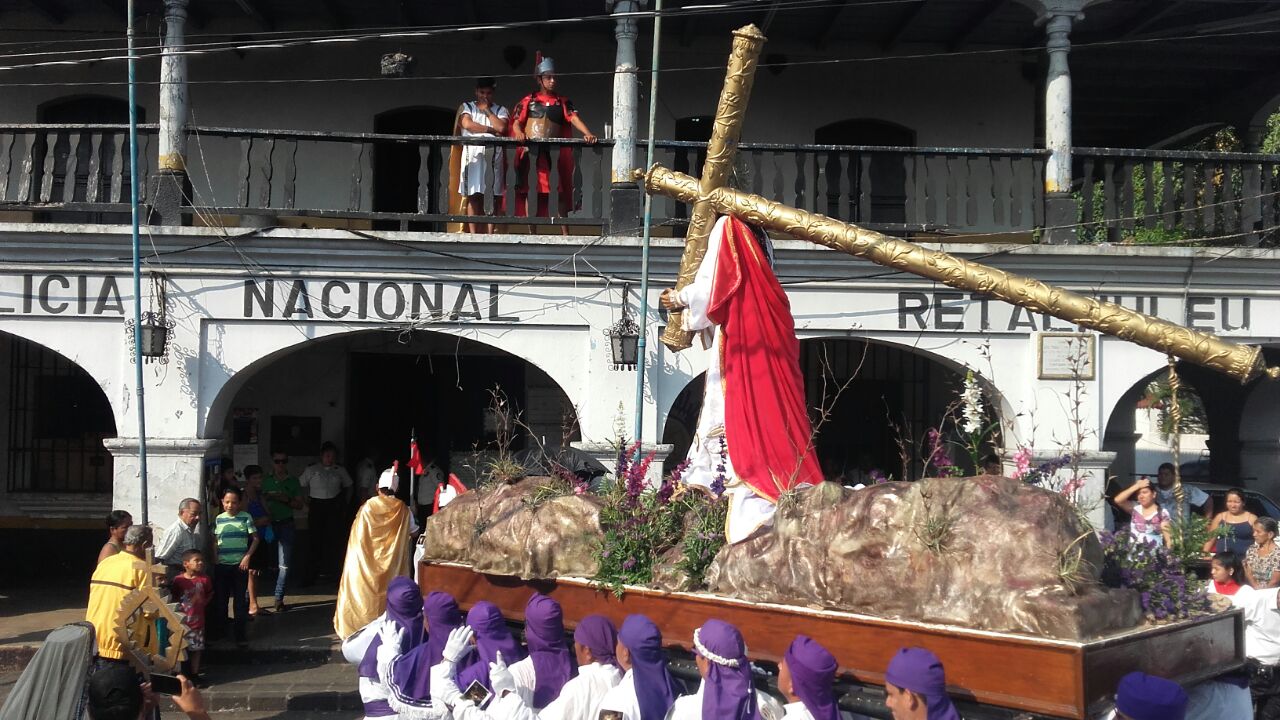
column 972, row 400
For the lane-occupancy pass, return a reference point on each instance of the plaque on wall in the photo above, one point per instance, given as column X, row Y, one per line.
column 1066, row 356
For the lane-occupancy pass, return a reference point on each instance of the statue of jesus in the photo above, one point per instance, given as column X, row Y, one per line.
column 753, row 440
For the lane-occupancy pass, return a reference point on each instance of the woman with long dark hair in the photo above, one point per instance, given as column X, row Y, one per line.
column 1232, row 529
column 1148, row 521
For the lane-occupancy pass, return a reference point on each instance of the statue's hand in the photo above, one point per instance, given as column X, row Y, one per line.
column 670, row 300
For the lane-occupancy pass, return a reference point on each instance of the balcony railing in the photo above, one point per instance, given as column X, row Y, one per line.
column 366, row 180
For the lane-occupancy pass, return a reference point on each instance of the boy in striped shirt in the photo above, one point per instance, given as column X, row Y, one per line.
column 236, row 542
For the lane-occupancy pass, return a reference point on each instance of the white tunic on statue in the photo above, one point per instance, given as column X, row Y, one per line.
column 747, row 511
column 689, row 707
column 622, row 698
column 582, row 697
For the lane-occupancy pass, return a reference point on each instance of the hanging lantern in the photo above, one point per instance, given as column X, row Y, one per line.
column 155, row 335
column 624, row 337
column 624, row 342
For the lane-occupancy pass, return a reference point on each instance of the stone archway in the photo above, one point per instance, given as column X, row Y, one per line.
column 54, row 417
column 881, row 381
column 369, row 390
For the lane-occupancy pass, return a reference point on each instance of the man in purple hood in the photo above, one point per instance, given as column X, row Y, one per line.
column 726, row 691
column 492, row 636
column 806, row 678
column 409, row 677
column 402, row 623
column 594, row 645
column 915, row 687
column 647, row 690
column 549, row 666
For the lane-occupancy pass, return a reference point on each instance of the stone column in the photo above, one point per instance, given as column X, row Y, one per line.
column 1060, row 208
column 171, row 185
column 625, row 195
column 175, row 470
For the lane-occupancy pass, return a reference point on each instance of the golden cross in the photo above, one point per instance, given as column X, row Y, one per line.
column 710, row 197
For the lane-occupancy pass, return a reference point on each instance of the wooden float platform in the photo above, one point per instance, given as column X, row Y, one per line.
column 1055, row 678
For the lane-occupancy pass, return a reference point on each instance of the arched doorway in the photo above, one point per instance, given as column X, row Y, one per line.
column 886, row 172
column 370, row 391
column 871, row 405
column 396, row 165
column 53, row 419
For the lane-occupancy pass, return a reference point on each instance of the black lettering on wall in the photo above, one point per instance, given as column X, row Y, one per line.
column 52, row 307
column 109, row 297
column 465, row 294
column 494, row 315
column 263, row 296
column 379, row 296
column 326, row 299
column 914, row 304
column 434, row 305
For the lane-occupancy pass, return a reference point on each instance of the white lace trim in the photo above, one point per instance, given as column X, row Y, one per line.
column 704, row 652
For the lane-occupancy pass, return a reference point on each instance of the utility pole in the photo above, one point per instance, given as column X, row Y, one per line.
column 137, row 266
column 641, row 357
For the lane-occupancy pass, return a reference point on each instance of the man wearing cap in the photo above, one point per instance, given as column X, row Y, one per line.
column 1146, row 697
column 806, row 678
column 647, row 691
column 726, row 690
column 378, row 549
column 915, row 687
column 481, row 166
column 546, row 114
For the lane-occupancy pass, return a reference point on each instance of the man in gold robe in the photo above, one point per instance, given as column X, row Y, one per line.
column 378, row 550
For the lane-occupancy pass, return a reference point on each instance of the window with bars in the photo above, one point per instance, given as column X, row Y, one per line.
column 57, row 419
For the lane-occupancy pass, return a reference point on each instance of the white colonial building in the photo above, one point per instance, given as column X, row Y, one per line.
column 301, row 241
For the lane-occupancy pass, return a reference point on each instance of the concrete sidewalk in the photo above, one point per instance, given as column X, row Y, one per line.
column 293, row 667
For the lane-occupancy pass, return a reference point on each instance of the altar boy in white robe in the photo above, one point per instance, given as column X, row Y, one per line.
column 647, row 690
column 726, row 692
column 594, row 643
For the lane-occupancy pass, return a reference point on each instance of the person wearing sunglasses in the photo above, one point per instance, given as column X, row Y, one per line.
column 284, row 495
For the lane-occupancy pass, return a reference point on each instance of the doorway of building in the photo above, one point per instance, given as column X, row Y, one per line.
column 878, row 400
column 396, row 165
column 886, row 172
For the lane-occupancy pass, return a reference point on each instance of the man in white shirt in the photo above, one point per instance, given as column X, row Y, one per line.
column 1262, row 647
column 1192, row 496
column 186, row 533
column 327, row 487
column 482, row 166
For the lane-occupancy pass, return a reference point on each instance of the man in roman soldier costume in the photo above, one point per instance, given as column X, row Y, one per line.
column 546, row 114
column 754, row 439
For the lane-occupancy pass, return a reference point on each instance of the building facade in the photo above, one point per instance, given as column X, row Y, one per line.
column 308, row 264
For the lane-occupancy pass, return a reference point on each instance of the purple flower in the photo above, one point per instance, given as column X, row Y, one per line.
column 628, row 563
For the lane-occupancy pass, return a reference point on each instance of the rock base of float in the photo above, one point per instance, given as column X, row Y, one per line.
column 987, row 552
column 506, row 529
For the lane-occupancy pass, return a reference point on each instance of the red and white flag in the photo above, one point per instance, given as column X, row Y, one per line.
column 415, row 458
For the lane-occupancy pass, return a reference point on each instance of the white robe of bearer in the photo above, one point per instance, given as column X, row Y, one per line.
column 689, row 707
column 622, row 698
column 581, row 698
column 747, row 511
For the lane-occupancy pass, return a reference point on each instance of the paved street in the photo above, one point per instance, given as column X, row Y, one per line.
column 291, row 670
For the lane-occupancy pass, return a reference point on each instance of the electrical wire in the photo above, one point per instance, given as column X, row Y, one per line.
column 1076, row 47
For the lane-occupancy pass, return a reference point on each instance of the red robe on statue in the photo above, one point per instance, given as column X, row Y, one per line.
column 766, row 424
